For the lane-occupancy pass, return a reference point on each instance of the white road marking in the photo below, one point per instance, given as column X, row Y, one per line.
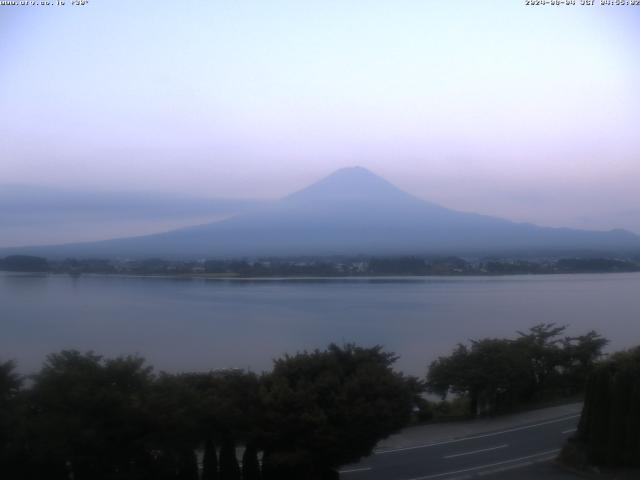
column 508, row 468
column 571, row 430
column 354, row 470
column 476, row 451
column 480, row 467
column 473, row 437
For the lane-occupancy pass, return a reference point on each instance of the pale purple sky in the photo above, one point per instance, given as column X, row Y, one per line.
column 530, row 113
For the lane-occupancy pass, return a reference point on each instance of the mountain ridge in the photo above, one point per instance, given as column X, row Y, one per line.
column 351, row 211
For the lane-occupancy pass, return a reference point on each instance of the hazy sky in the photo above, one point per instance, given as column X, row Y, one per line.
column 531, row 113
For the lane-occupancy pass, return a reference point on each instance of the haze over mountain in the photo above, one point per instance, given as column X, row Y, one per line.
column 37, row 215
column 352, row 211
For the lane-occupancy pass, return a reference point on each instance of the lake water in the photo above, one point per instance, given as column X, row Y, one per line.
column 195, row 324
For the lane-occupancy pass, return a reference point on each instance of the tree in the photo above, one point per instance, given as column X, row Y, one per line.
column 542, row 344
column 581, row 354
column 175, row 431
column 452, row 374
column 491, row 373
column 498, row 374
column 11, row 422
column 328, row 408
column 24, row 263
column 88, row 416
column 187, row 465
column 210, row 461
column 250, row 464
column 609, row 429
column 398, row 266
column 227, row 411
column 10, row 382
column 229, row 468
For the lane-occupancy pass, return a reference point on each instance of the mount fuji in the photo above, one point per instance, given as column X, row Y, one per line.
column 352, row 211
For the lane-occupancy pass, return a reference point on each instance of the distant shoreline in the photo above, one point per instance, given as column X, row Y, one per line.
column 323, row 268
column 228, row 277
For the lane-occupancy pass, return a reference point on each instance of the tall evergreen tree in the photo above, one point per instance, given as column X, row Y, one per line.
column 12, row 427
column 229, row 468
column 609, row 428
column 250, row 464
column 210, row 461
column 188, row 465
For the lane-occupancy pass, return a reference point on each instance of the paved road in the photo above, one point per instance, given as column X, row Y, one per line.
column 490, row 455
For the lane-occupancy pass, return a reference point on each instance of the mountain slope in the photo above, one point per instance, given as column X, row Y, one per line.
column 352, row 211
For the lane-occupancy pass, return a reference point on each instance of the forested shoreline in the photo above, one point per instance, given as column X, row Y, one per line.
column 323, row 266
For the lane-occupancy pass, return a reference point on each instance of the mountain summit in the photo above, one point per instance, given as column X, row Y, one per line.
column 351, row 211
column 351, row 182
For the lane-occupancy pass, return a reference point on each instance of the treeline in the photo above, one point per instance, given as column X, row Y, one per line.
column 326, row 267
column 86, row 417
column 24, row 263
column 499, row 374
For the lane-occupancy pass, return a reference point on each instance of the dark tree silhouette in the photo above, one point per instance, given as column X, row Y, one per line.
column 24, row 263
column 250, row 464
column 498, row 374
column 12, row 429
column 329, row 408
column 609, row 428
column 92, row 418
column 229, row 468
column 88, row 416
column 187, row 465
column 210, row 461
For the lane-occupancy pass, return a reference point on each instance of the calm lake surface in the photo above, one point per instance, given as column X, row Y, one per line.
column 195, row 324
